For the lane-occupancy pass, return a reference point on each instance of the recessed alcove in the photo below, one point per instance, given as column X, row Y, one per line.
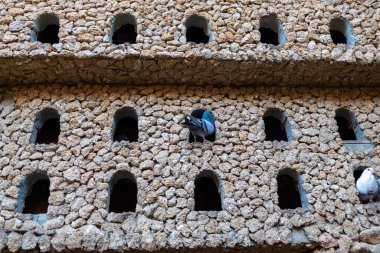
column 290, row 190
column 341, row 32
column 358, row 172
column 123, row 29
column 277, row 127
column 34, row 194
column 271, row 30
column 197, row 29
column 198, row 113
column 207, row 192
column 46, row 128
column 46, row 29
column 122, row 195
column 350, row 132
column 125, row 125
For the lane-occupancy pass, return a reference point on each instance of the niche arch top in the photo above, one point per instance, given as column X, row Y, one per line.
column 197, row 29
column 277, row 126
column 122, row 193
column 46, row 29
column 125, row 125
column 123, row 29
column 291, row 193
column 271, row 30
column 34, row 194
column 350, row 132
column 46, row 128
column 207, row 192
column 341, row 32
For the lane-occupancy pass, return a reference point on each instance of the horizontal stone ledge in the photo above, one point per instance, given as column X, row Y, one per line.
column 278, row 248
column 163, row 69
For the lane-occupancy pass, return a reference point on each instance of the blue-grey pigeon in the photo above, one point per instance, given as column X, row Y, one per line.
column 201, row 127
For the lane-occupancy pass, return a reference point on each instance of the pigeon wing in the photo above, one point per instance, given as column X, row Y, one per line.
column 367, row 184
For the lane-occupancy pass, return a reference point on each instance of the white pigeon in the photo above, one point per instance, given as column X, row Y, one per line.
column 367, row 185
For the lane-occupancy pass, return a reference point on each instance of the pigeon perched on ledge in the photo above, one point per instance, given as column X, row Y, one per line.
column 201, row 127
column 367, row 185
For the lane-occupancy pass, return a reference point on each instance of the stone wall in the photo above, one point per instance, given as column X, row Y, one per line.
column 162, row 55
column 165, row 165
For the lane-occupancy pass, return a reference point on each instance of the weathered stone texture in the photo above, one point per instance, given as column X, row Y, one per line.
column 162, row 55
column 165, row 165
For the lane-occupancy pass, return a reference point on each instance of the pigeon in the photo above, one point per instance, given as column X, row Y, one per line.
column 367, row 185
column 201, row 127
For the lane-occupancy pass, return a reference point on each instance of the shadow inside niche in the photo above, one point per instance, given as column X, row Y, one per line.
column 37, row 201
column 268, row 36
column 345, row 128
column 288, row 194
column 49, row 132
column 49, row 34
column 196, row 35
column 274, row 129
column 123, row 196
column 338, row 37
column 126, row 130
column 206, row 195
column 125, row 34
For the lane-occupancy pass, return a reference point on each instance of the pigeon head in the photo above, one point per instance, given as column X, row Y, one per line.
column 368, row 172
column 207, row 115
column 371, row 170
column 186, row 120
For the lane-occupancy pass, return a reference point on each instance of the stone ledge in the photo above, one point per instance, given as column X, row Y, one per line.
column 146, row 70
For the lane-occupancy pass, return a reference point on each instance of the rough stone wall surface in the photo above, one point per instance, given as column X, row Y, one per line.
column 85, row 28
column 165, row 165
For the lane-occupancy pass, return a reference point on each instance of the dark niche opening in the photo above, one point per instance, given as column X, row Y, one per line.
column 123, row 193
column 358, row 172
column 125, row 126
column 341, row 32
column 198, row 113
column 338, row 37
column 268, row 36
column 346, row 124
column 277, row 127
column 46, row 29
column 46, row 128
column 197, row 30
column 123, row 29
column 288, row 191
column 35, row 194
column 271, row 31
column 207, row 192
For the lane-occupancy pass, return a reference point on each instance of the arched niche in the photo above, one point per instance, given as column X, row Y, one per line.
column 341, row 32
column 46, row 128
column 350, row 132
column 271, row 30
column 122, row 195
column 291, row 193
column 123, row 29
column 207, row 192
column 46, row 29
column 277, row 127
column 197, row 29
column 34, row 194
column 125, row 125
